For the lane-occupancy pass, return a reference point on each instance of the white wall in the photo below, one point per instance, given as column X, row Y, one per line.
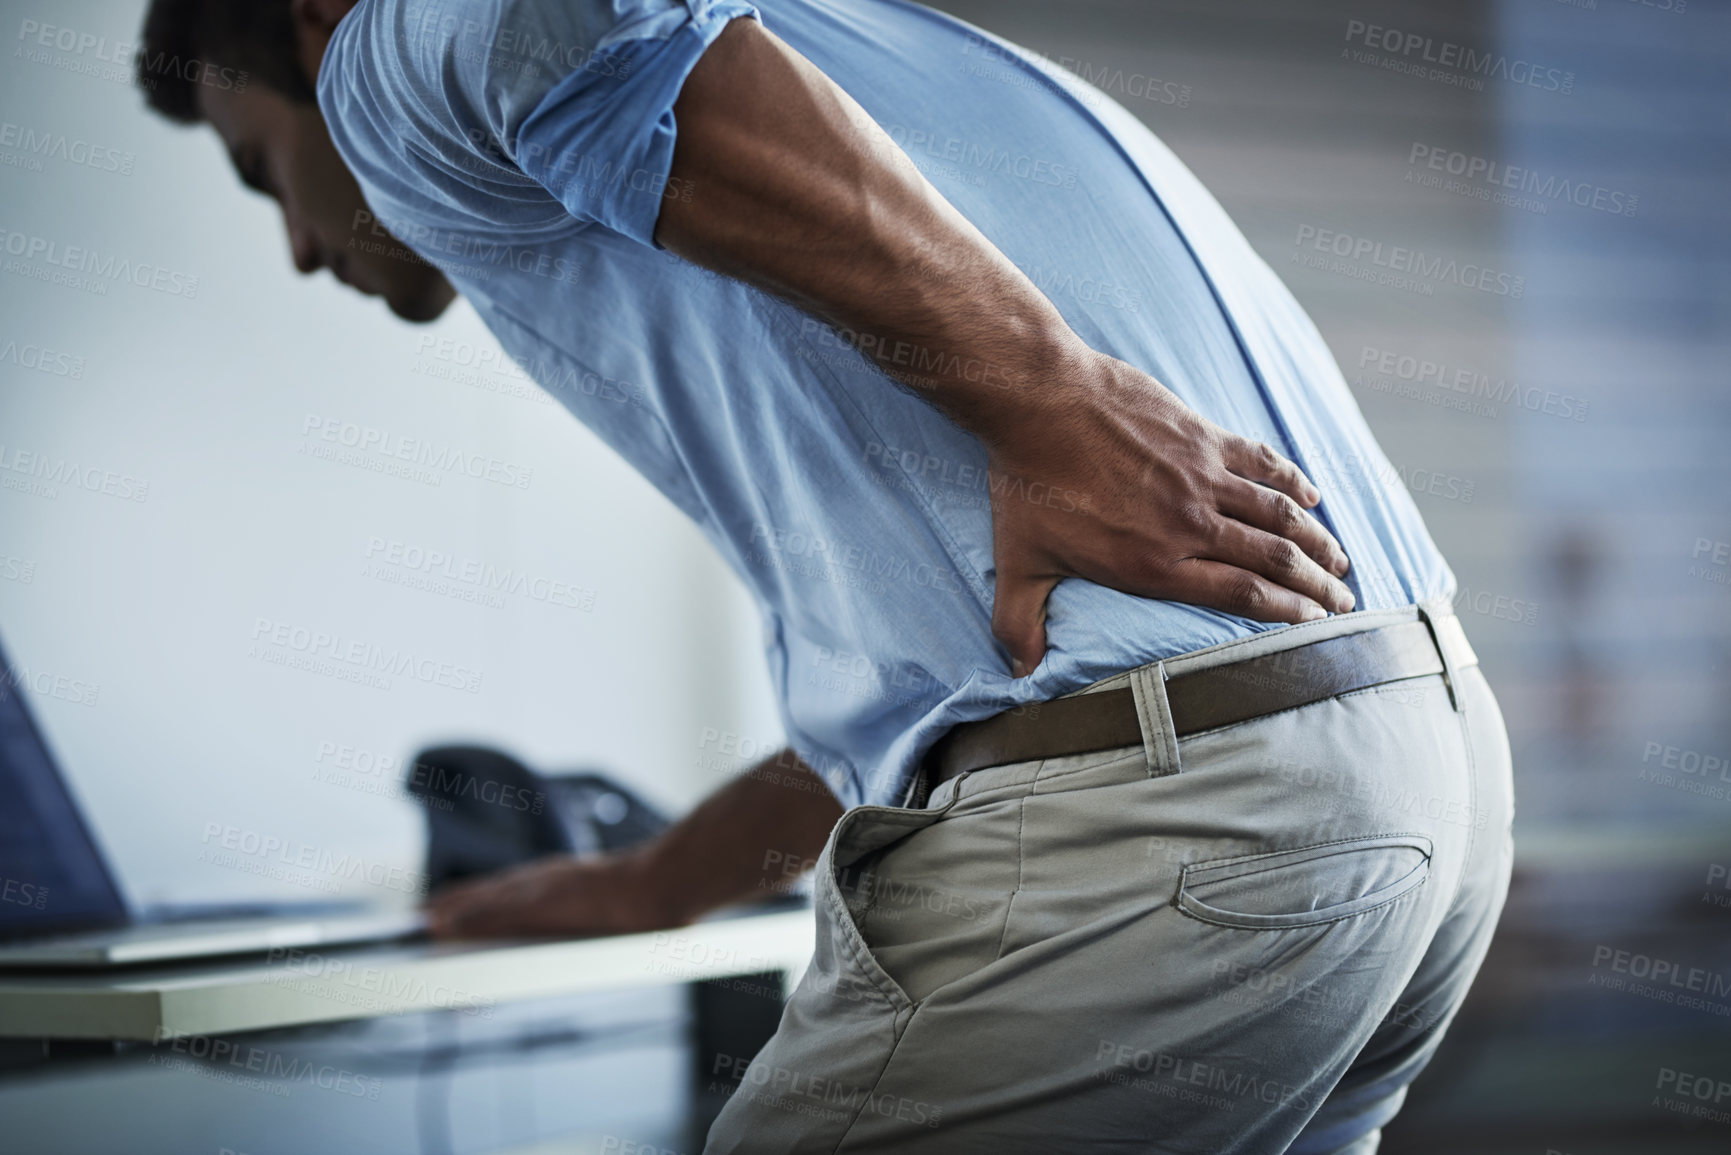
column 157, row 601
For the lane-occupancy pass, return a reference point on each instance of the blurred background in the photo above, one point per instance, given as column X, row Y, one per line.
column 1564, row 431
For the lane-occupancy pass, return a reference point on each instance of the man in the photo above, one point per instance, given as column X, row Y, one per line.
column 1225, row 900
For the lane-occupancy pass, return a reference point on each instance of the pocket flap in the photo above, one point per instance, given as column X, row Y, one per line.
column 1305, row 886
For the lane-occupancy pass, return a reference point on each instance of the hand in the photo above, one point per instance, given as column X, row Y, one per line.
column 1156, row 501
column 560, row 897
column 806, row 197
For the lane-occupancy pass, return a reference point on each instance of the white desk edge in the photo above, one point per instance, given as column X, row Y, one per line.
column 300, row 987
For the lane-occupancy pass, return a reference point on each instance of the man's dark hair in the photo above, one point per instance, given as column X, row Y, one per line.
column 218, row 43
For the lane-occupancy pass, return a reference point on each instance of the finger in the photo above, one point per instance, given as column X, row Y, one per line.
column 1238, row 591
column 473, row 910
column 450, row 913
column 1271, row 510
column 1019, row 618
column 1259, row 462
column 1279, row 560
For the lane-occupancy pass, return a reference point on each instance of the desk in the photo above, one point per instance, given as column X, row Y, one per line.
column 303, row 987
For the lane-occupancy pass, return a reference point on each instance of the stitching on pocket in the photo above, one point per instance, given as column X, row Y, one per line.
column 1198, row 873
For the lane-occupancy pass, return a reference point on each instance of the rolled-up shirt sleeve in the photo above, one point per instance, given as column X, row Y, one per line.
column 601, row 139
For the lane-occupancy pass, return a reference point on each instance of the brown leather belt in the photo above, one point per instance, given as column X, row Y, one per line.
column 1204, row 699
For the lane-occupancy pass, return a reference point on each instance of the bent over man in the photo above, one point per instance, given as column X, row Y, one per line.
column 1169, row 828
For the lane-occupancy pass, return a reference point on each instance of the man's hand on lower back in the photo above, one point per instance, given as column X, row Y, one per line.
column 804, row 196
column 1126, row 486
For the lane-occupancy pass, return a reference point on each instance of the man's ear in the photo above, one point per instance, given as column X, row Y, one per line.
column 314, row 21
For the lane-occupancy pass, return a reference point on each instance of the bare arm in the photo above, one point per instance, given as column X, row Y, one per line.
column 800, row 193
column 746, row 840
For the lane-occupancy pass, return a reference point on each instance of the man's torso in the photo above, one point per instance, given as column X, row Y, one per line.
column 855, row 512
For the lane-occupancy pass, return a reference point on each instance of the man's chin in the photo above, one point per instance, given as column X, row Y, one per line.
column 424, row 306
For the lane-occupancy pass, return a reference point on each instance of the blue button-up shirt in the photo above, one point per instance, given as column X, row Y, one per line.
column 524, row 147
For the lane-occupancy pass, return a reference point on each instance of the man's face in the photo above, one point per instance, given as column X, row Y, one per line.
column 282, row 149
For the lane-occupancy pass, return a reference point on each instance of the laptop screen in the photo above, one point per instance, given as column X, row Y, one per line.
column 52, row 877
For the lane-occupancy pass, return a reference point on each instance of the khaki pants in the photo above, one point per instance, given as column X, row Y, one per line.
column 1249, row 940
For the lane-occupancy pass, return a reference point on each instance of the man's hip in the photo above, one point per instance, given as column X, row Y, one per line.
column 1183, row 944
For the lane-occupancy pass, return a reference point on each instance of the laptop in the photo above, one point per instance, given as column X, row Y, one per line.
column 60, row 907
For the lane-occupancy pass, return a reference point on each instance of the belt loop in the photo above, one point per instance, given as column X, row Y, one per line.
column 918, row 791
column 1450, row 674
column 1159, row 736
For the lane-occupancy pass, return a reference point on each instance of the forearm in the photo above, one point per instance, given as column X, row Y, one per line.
column 800, row 193
column 738, row 843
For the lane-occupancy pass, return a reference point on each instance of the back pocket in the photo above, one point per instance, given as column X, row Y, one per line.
column 1307, row 886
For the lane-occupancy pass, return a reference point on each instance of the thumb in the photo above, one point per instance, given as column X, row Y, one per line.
column 1019, row 617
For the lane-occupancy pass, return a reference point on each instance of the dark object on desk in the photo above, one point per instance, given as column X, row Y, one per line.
column 486, row 811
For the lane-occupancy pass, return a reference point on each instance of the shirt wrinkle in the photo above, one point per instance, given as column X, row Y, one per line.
column 524, row 147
